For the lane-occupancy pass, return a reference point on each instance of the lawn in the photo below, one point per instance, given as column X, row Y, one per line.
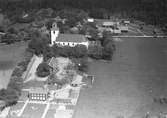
column 34, row 110
column 50, row 113
column 11, row 55
column 24, row 96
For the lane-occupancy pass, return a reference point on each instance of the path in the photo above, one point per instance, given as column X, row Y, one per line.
column 139, row 36
column 46, row 109
column 137, row 30
column 21, row 111
column 31, row 74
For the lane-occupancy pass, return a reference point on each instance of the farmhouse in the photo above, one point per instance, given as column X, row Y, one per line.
column 67, row 39
column 38, row 94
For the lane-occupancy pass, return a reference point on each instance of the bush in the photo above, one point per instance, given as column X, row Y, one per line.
column 43, row 70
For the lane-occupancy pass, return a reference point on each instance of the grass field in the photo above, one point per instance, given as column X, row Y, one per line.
column 128, row 84
column 11, row 55
column 34, row 110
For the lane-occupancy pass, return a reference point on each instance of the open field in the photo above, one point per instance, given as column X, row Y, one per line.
column 16, row 26
column 34, row 110
column 129, row 83
column 11, row 55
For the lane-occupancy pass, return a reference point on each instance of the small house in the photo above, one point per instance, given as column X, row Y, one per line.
column 77, row 81
column 126, row 22
column 38, row 94
column 90, row 20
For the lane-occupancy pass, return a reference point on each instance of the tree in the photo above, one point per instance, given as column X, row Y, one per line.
column 52, row 79
column 80, row 51
column 23, row 64
column 16, row 83
column 71, row 22
column 83, row 65
column 48, row 55
column 11, row 30
column 43, row 70
column 94, row 33
column 108, row 51
column 10, row 96
column 108, row 40
column 49, row 23
column 18, row 71
column 96, row 13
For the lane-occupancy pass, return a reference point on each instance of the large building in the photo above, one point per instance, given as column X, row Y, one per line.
column 38, row 94
column 67, row 39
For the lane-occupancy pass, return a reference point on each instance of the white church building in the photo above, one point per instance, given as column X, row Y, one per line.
column 67, row 39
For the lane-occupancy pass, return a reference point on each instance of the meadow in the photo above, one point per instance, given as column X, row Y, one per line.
column 128, row 84
column 10, row 56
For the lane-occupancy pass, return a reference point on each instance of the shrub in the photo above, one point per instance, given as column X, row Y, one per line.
column 43, row 70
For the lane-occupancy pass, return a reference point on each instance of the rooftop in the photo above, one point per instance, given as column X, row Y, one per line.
column 53, row 62
column 71, row 38
column 38, row 90
column 77, row 79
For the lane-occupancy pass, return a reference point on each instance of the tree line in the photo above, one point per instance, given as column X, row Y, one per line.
column 150, row 11
column 11, row 94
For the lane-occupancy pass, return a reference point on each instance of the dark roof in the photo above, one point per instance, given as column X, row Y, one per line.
column 38, row 90
column 53, row 62
column 70, row 38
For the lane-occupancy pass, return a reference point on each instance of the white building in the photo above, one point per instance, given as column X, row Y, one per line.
column 67, row 39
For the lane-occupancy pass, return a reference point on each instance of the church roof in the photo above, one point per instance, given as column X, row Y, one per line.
column 70, row 38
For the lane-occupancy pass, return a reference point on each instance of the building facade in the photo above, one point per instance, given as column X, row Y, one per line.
column 38, row 94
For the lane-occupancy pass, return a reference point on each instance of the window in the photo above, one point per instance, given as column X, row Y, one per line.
column 68, row 44
column 63, row 43
column 73, row 44
column 53, row 32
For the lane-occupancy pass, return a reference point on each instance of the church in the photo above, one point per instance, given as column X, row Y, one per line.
column 66, row 39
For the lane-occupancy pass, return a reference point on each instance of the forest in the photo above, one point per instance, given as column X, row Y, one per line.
column 152, row 12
